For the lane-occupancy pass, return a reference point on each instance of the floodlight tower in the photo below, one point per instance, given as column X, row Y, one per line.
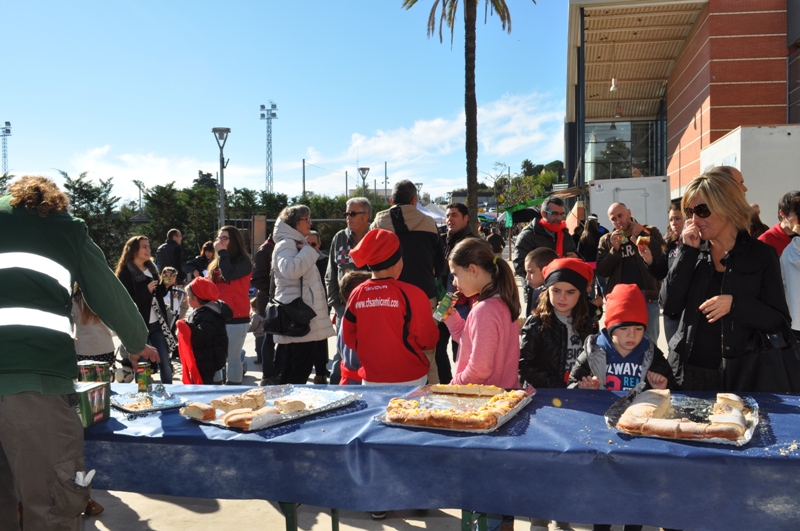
column 5, row 132
column 268, row 114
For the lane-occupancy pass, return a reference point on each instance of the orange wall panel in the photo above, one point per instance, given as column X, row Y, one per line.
column 748, row 24
column 750, row 94
column 750, row 70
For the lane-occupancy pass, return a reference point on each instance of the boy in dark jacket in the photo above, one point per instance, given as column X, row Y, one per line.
column 620, row 356
column 207, row 323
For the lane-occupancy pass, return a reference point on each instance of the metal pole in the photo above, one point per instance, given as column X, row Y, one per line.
column 304, row 177
column 221, row 196
column 375, row 190
column 346, row 190
column 385, row 181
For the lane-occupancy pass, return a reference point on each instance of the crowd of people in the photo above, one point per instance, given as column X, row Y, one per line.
column 591, row 317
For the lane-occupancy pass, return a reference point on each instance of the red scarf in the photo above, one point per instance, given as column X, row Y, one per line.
column 559, row 230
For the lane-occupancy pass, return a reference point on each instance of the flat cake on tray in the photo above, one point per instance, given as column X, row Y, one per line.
column 471, row 409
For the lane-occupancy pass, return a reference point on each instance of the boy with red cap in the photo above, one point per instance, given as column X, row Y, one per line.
column 621, row 356
column 388, row 322
column 206, row 331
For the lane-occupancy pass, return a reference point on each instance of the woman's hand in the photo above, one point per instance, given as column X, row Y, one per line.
column 717, row 307
column 691, row 234
column 301, row 244
column 589, row 383
column 657, row 381
column 218, row 245
column 152, row 286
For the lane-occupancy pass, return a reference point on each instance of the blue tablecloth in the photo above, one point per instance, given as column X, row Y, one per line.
column 556, row 459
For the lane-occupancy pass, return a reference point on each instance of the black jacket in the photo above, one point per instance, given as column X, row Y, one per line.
column 423, row 253
column 752, row 276
column 262, row 267
column 534, row 236
column 199, row 263
column 135, row 281
column 543, row 352
column 592, row 362
column 210, row 338
column 169, row 254
column 609, row 263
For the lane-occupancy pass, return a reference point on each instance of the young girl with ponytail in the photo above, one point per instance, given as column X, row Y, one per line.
column 489, row 338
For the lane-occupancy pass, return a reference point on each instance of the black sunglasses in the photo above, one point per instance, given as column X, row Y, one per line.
column 701, row 210
column 552, row 213
column 352, row 214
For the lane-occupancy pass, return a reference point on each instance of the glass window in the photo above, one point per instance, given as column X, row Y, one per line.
column 622, row 149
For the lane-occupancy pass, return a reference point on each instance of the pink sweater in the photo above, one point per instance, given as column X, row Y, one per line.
column 489, row 345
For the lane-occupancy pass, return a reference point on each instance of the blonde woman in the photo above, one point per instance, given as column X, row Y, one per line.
column 726, row 283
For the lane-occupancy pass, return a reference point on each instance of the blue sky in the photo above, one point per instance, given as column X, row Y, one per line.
column 131, row 90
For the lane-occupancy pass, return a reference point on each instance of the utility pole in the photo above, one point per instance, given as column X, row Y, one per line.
column 346, row 189
column 304, row 177
column 5, row 132
column 385, row 181
column 364, row 171
column 268, row 114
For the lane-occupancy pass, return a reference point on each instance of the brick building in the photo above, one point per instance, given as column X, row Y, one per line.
column 684, row 74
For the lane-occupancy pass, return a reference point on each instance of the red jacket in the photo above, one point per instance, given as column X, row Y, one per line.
column 389, row 323
column 776, row 237
column 236, row 294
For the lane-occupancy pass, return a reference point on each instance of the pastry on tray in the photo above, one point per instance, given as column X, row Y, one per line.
column 403, row 411
column 468, row 389
column 650, row 414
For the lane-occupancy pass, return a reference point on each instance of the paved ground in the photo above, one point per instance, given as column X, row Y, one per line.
column 127, row 511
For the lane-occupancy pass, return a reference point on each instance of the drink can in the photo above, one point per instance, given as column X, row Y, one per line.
column 103, row 370
column 86, row 371
column 143, row 377
column 443, row 306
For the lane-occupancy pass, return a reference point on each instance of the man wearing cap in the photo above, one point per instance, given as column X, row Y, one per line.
column 43, row 251
column 388, row 322
column 423, row 254
column 621, row 260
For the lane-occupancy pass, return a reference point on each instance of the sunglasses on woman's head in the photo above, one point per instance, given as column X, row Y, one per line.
column 701, row 210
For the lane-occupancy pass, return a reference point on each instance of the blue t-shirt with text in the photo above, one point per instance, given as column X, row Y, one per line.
column 622, row 373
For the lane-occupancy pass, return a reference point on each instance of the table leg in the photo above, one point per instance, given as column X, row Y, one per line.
column 290, row 513
column 334, row 519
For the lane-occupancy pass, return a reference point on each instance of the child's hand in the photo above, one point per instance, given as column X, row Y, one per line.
column 451, row 310
column 589, row 383
column 657, row 381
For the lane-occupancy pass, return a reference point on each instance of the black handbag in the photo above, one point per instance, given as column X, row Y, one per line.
column 288, row 319
column 772, row 365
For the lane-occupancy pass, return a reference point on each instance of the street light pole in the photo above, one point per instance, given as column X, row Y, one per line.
column 221, row 135
column 363, row 171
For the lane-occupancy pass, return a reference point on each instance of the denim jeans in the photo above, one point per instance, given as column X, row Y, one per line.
column 236, row 336
column 653, row 321
column 155, row 337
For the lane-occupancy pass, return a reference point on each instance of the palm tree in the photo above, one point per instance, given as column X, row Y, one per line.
column 447, row 17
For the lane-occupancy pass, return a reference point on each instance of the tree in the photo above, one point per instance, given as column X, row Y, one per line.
column 5, row 179
column 527, row 168
column 243, row 202
column 205, row 179
column 272, row 203
column 95, row 205
column 163, row 205
column 200, row 205
column 448, row 17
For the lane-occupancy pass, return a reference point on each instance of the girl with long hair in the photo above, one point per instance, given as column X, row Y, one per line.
column 489, row 338
column 231, row 270
column 553, row 336
column 140, row 277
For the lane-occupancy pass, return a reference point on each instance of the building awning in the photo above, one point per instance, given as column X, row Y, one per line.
column 635, row 42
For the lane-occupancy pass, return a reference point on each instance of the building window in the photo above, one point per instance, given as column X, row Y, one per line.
column 617, row 150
